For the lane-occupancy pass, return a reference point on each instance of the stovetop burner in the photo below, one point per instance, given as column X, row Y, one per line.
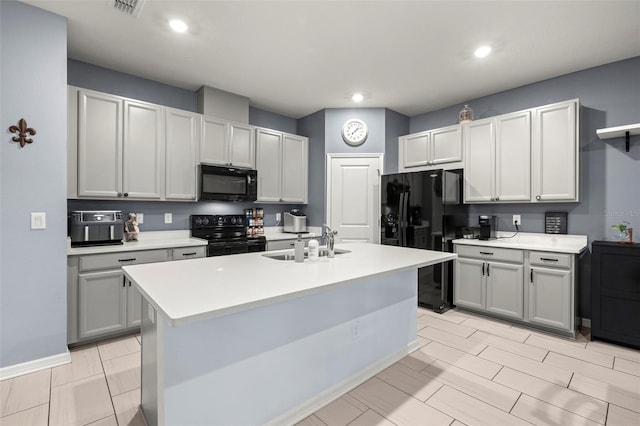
column 226, row 234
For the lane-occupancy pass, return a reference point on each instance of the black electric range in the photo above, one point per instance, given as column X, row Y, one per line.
column 226, row 234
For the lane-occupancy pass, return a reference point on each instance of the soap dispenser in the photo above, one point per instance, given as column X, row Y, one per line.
column 313, row 249
column 298, row 249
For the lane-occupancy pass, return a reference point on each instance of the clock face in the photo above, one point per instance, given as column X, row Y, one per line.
column 354, row 132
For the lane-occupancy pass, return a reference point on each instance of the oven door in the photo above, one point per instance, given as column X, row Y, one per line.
column 221, row 248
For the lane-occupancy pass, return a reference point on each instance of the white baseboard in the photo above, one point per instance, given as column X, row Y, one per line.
column 314, row 404
column 586, row 322
column 35, row 365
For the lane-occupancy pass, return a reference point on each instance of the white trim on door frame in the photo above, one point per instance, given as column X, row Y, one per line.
column 329, row 158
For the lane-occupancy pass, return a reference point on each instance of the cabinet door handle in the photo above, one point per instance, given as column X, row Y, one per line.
column 497, row 198
column 119, row 194
column 127, row 260
column 531, row 276
column 193, row 253
column 487, row 253
column 124, row 281
column 549, row 259
column 482, row 268
column 537, row 197
column 488, row 274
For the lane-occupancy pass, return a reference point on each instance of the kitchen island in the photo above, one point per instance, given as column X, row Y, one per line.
column 247, row 339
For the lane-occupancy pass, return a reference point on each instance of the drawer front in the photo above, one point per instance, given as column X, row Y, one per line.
column 490, row 253
column 558, row 260
column 115, row 260
column 189, row 252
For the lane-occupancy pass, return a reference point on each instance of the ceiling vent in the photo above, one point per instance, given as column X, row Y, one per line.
column 130, row 7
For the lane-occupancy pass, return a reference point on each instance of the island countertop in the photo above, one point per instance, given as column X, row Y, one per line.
column 197, row 289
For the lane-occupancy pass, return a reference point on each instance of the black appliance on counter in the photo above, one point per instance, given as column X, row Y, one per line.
column 95, row 228
column 487, row 227
column 226, row 234
column 422, row 210
column 228, row 184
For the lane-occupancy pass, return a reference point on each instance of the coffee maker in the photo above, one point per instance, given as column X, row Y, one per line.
column 487, row 227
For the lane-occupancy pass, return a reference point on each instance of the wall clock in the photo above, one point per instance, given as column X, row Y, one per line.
column 354, row 132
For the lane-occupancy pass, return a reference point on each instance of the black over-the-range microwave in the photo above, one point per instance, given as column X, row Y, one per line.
column 228, row 183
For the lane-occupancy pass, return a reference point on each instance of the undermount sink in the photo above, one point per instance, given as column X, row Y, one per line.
column 290, row 256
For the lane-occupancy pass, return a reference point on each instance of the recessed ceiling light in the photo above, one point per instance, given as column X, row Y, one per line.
column 178, row 26
column 482, row 51
column 357, row 97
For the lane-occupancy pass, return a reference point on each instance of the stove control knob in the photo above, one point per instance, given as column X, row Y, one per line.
column 233, row 220
column 198, row 221
column 205, row 221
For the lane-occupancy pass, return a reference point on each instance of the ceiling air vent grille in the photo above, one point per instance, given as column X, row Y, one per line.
column 130, row 7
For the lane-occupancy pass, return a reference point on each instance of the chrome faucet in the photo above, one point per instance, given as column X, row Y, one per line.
column 329, row 237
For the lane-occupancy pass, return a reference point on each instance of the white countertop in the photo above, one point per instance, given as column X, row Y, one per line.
column 146, row 241
column 197, row 289
column 559, row 243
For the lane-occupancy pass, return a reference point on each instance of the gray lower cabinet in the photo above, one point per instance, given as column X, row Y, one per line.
column 551, row 290
column 102, row 302
column 489, row 279
column 529, row 287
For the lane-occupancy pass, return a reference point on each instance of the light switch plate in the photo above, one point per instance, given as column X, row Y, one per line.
column 38, row 220
column 140, row 217
column 168, row 218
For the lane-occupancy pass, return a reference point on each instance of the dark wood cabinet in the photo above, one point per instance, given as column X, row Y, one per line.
column 615, row 292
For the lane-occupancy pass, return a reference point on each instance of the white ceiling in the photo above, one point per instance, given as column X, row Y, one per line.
column 297, row 57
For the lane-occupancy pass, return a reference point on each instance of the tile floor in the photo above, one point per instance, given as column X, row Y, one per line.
column 470, row 370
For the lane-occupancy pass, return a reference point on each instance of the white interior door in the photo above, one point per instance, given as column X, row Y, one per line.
column 353, row 197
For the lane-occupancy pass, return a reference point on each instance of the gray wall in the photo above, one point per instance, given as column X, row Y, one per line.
column 373, row 117
column 609, row 176
column 396, row 124
column 313, row 127
column 33, row 279
column 271, row 120
column 94, row 77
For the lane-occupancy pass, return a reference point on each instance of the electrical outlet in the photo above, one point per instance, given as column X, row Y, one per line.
column 278, row 217
column 168, row 218
column 516, row 220
column 355, row 330
column 140, row 217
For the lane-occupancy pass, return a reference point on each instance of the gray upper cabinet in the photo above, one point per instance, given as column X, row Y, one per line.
column 555, row 153
column 437, row 148
column 497, row 155
column 527, row 156
column 282, row 162
column 120, row 147
column 143, row 156
column 99, row 146
column 226, row 143
column 183, row 139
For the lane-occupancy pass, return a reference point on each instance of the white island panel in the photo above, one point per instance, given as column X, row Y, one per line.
column 280, row 362
column 245, row 339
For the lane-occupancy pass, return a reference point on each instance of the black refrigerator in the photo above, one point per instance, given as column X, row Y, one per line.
column 423, row 210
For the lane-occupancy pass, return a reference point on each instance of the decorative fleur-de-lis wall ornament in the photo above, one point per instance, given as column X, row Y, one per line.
column 22, row 130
